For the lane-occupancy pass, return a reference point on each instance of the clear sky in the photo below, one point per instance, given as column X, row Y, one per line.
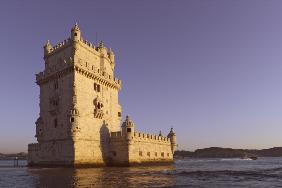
column 210, row 69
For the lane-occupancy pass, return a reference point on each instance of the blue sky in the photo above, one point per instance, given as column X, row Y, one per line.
column 210, row 69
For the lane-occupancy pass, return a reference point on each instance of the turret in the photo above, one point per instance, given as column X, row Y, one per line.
column 127, row 128
column 172, row 137
column 112, row 56
column 75, row 33
column 102, row 48
column 47, row 48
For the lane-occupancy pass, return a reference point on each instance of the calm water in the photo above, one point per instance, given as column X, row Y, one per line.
column 264, row 172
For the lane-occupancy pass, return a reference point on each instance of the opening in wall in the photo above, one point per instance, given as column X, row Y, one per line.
column 128, row 130
column 97, row 87
column 55, row 123
column 56, row 85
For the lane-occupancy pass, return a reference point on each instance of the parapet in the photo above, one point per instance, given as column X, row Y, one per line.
column 33, row 147
column 100, row 51
column 151, row 137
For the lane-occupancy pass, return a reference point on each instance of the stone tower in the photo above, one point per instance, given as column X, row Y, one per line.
column 78, row 103
column 80, row 116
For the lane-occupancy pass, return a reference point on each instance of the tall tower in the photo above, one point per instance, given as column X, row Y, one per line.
column 78, row 103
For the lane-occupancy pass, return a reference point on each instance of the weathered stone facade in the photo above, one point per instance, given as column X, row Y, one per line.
column 80, row 116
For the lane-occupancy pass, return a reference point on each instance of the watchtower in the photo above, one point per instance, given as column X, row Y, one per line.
column 78, row 101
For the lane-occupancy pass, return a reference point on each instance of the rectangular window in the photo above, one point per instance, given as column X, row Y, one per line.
column 55, row 123
column 72, row 119
column 156, row 154
column 128, row 130
column 162, row 154
column 56, row 85
column 119, row 114
column 97, row 87
column 148, row 154
column 114, row 153
column 140, row 153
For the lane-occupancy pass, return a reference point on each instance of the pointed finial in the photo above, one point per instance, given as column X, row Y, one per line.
column 76, row 26
column 160, row 134
column 47, row 43
column 101, row 44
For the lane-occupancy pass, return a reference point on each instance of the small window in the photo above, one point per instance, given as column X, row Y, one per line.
column 119, row 114
column 114, row 153
column 162, row 154
column 55, row 123
column 97, row 87
column 128, row 130
column 156, row 154
column 75, row 34
column 148, row 154
column 56, row 85
column 72, row 119
column 168, row 154
column 140, row 153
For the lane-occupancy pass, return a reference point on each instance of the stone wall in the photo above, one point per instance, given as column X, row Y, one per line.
column 147, row 148
column 140, row 148
column 51, row 153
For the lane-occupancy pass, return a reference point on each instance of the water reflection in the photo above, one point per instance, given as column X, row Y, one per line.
column 104, row 177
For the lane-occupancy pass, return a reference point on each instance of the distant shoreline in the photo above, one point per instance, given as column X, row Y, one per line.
column 212, row 152
column 12, row 156
column 218, row 152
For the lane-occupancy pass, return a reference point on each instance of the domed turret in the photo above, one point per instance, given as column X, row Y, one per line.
column 111, row 56
column 47, row 48
column 102, row 48
column 172, row 137
column 75, row 33
column 127, row 128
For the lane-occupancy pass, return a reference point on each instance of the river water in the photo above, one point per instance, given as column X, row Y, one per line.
column 264, row 172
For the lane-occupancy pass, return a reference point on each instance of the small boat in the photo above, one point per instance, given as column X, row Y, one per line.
column 249, row 157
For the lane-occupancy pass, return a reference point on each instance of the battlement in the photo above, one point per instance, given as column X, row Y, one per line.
column 100, row 50
column 152, row 137
column 116, row 134
column 33, row 147
column 81, row 67
column 141, row 136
